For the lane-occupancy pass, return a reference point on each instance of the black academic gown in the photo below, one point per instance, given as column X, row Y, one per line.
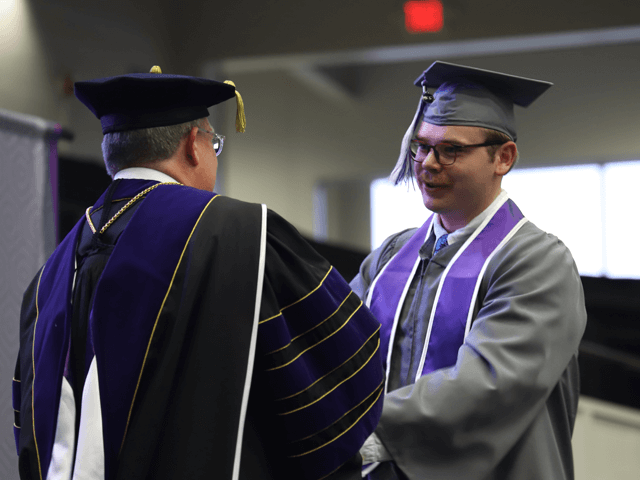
column 195, row 305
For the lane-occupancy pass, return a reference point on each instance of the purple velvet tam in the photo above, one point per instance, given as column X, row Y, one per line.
column 146, row 100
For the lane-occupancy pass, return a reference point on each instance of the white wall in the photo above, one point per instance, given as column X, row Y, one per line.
column 25, row 79
column 606, row 441
column 82, row 44
column 294, row 139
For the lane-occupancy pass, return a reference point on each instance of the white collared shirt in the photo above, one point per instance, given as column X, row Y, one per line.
column 143, row 173
column 469, row 228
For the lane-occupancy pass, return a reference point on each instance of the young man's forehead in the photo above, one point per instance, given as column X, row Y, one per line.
column 448, row 133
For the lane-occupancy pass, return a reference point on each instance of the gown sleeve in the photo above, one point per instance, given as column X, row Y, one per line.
column 317, row 359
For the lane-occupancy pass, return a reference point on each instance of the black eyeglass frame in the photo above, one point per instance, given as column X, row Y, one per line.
column 217, row 139
column 457, row 149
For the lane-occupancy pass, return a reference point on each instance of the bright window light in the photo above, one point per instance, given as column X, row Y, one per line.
column 592, row 209
column 393, row 209
column 622, row 226
column 566, row 202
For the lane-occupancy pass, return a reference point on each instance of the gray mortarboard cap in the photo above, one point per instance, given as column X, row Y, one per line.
column 468, row 96
column 154, row 99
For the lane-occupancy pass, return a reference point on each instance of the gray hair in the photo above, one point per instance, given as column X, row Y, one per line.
column 135, row 148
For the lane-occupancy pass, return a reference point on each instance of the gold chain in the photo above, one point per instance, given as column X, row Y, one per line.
column 122, row 210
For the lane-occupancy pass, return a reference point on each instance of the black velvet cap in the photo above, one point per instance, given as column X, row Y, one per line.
column 145, row 100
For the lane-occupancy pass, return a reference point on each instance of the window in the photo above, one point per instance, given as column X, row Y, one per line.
column 593, row 209
column 393, row 209
column 622, row 219
column 566, row 202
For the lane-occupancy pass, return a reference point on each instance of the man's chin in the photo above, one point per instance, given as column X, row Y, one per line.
column 433, row 205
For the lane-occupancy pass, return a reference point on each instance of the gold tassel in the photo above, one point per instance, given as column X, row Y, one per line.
column 155, row 69
column 241, row 121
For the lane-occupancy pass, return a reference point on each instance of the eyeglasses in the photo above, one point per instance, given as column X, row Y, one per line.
column 217, row 140
column 445, row 153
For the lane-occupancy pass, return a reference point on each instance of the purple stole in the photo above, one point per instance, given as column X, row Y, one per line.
column 456, row 295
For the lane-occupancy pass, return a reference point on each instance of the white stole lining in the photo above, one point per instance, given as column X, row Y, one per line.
column 61, row 465
column 252, row 345
column 89, row 463
column 367, row 301
column 484, row 268
column 471, row 238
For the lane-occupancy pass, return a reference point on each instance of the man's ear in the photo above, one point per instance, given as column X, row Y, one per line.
column 191, row 149
column 505, row 158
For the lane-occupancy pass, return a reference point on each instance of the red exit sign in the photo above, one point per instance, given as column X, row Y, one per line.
column 422, row 16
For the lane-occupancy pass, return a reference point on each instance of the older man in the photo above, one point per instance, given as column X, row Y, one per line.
column 481, row 311
column 176, row 333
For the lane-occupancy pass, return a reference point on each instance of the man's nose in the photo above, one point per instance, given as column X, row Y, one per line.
column 430, row 161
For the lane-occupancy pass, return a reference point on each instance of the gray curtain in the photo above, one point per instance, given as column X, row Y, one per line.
column 27, row 238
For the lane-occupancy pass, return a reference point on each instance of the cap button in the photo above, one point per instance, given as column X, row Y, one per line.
column 155, row 69
column 426, row 96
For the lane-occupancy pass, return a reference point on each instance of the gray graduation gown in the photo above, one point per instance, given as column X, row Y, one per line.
column 506, row 409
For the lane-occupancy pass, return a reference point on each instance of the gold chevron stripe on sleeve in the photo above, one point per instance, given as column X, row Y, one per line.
column 299, row 300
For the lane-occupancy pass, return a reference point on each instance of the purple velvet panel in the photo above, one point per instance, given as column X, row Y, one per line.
column 276, row 331
column 320, row 360
column 51, row 340
column 16, row 436
column 317, row 363
column 140, row 267
column 329, row 409
column 389, row 287
column 16, row 399
column 324, row 461
column 305, row 314
column 450, row 319
column 333, row 351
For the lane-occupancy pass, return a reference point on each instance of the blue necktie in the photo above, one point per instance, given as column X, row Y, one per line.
column 441, row 242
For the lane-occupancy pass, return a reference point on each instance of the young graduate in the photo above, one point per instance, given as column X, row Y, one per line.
column 482, row 312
